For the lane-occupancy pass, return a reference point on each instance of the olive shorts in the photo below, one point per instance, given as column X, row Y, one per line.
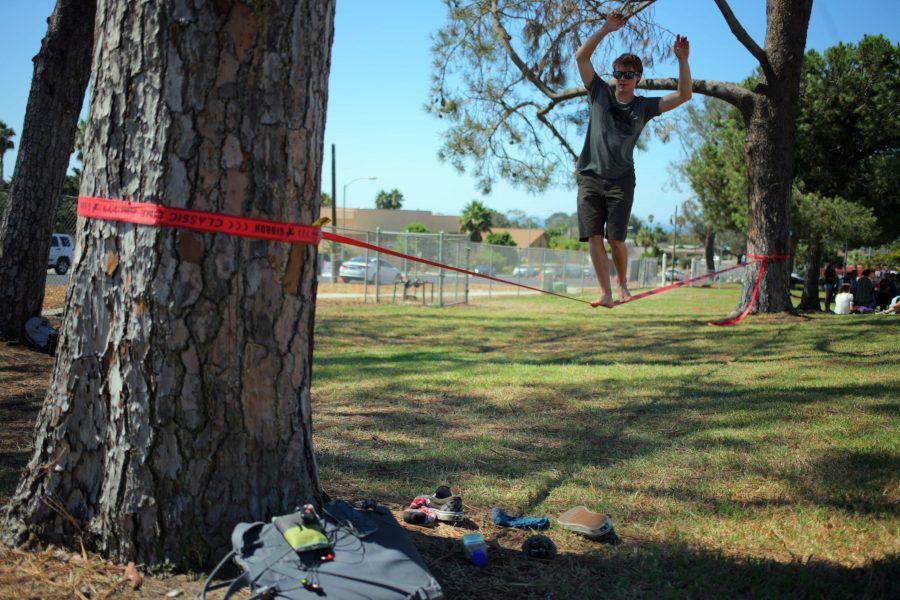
column 604, row 205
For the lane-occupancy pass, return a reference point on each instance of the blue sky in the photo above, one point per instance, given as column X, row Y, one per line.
column 380, row 79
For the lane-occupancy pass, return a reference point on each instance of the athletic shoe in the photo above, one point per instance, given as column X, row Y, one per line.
column 419, row 513
column 445, row 505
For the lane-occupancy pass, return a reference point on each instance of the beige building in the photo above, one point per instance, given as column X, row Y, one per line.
column 369, row 219
column 524, row 238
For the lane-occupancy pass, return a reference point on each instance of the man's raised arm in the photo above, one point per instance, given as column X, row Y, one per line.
column 670, row 101
column 614, row 22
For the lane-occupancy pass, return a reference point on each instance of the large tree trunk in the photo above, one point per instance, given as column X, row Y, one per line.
column 61, row 71
column 771, row 124
column 810, row 298
column 179, row 404
column 710, row 250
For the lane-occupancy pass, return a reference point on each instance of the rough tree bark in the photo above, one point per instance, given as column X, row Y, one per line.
column 179, row 404
column 710, row 249
column 810, row 298
column 61, row 71
column 771, row 126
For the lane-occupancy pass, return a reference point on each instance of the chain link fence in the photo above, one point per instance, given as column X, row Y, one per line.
column 348, row 273
column 351, row 274
column 698, row 269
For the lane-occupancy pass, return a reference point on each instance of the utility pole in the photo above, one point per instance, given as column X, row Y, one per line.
column 334, row 262
column 333, row 188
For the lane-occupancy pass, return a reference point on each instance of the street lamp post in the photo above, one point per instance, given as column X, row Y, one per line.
column 346, row 185
column 334, row 269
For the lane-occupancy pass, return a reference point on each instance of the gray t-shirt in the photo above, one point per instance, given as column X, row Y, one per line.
column 613, row 130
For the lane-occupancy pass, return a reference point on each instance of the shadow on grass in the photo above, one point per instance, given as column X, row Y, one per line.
column 566, row 439
column 676, row 396
column 636, row 569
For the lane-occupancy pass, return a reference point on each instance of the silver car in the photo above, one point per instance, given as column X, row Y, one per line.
column 356, row 269
column 60, row 258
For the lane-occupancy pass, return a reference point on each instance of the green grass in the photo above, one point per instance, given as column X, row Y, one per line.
column 757, row 460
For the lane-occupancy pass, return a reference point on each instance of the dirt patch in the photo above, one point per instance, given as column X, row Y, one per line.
column 54, row 297
column 24, row 376
column 56, row 574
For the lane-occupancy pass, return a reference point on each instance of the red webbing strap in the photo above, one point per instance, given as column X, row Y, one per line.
column 677, row 284
column 144, row 213
column 763, row 259
column 350, row 241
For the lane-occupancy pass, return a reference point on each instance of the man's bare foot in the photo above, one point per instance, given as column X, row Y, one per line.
column 604, row 300
column 623, row 292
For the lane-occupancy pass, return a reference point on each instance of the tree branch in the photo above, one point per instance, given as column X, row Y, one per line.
column 641, row 7
column 542, row 117
column 733, row 94
column 744, row 38
column 513, row 55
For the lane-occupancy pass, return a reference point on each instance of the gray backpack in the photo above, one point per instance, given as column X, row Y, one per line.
column 40, row 335
column 373, row 559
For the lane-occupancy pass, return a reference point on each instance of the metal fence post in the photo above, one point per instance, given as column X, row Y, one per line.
column 466, row 288
column 405, row 251
column 441, row 271
column 366, row 274
column 663, row 282
column 582, row 271
column 456, row 263
column 490, row 269
column 544, row 267
column 518, row 270
column 377, row 266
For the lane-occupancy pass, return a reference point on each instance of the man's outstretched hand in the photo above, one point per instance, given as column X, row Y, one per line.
column 614, row 22
column 682, row 47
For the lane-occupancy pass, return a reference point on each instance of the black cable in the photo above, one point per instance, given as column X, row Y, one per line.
column 212, row 574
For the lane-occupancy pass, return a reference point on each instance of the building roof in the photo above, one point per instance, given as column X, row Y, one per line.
column 524, row 238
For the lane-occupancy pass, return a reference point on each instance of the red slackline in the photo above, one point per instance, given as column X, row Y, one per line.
column 157, row 215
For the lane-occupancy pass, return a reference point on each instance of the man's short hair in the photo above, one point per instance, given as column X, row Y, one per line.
column 867, row 272
column 845, row 288
column 631, row 61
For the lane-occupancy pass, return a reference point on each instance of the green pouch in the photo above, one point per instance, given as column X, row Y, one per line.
column 301, row 536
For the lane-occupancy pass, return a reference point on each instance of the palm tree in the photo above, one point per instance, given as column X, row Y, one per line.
column 391, row 200
column 6, row 143
column 645, row 238
column 476, row 219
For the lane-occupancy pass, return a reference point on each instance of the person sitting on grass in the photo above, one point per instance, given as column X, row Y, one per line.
column 831, row 280
column 887, row 289
column 605, row 168
column 864, row 296
column 894, row 308
column 843, row 302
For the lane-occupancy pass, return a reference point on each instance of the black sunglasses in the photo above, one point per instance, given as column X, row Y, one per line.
column 625, row 74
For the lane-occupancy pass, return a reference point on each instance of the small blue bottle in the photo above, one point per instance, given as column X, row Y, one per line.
column 475, row 549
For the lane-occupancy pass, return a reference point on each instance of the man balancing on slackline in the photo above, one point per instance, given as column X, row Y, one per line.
column 605, row 169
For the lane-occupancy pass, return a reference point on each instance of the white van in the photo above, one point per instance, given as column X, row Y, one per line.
column 60, row 253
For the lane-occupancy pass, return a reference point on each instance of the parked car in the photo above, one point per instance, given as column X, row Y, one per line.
column 60, row 258
column 674, row 275
column 485, row 270
column 356, row 269
column 524, row 270
column 577, row 271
